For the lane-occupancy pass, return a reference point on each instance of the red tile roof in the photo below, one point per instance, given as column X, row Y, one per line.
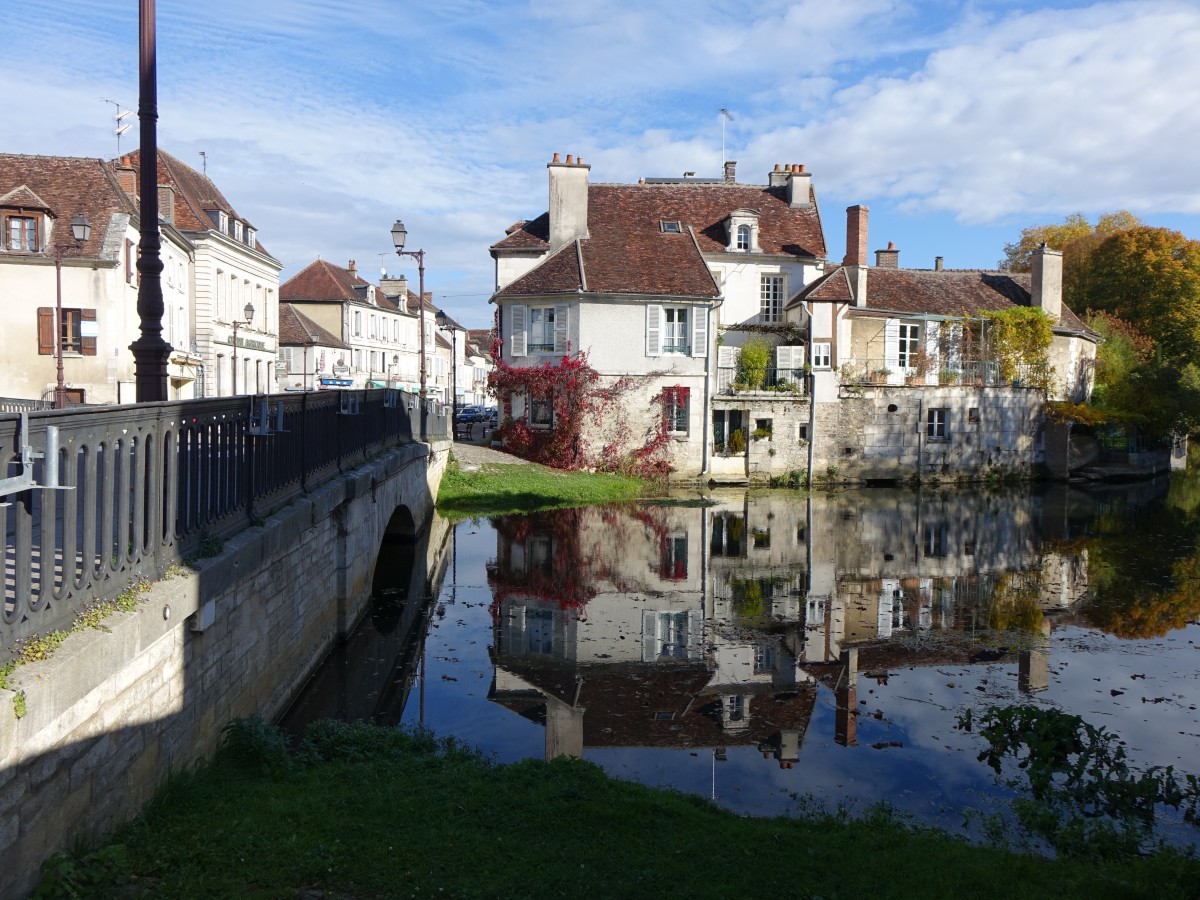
column 295, row 328
column 65, row 186
column 626, row 251
column 322, row 280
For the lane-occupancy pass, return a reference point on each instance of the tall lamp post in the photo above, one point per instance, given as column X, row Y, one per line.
column 81, row 230
column 447, row 324
column 399, row 235
column 249, row 311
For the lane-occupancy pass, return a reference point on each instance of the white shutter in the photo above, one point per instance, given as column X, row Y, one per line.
column 519, row 317
column 649, row 636
column 699, row 331
column 785, row 360
column 654, row 318
column 891, row 349
column 560, row 328
column 727, row 357
column 694, row 646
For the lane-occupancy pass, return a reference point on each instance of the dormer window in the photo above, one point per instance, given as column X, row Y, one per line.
column 249, row 236
column 219, row 219
column 670, row 226
column 237, row 230
column 21, row 232
column 743, row 231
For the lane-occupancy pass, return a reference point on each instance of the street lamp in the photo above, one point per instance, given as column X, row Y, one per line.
column 81, row 230
column 249, row 311
column 399, row 235
column 447, row 324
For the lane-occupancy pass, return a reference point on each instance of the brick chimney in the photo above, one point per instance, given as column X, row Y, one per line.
column 1045, row 282
column 127, row 177
column 568, row 200
column 166, row 203
column 856, row 236
column 352, row 267
column 799, row 188
column 889, row 258
column 731, row 172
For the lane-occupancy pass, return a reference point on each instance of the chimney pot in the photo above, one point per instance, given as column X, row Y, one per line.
column 778, row 167
column 351, row 267
column 556, row 159
column 937, row 264
column 802, row 169
column 579, row 160
column 570, row 159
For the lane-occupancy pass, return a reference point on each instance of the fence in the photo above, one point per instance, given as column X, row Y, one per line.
column 971, row 373
column 142, row 487
column 774, row 380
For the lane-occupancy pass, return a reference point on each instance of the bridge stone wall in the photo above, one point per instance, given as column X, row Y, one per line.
column 114, row 710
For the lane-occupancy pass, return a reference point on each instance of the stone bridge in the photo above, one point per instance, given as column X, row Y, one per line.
column 258, row 526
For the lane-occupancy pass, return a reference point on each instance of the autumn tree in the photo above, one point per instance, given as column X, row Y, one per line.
column 1075, row 230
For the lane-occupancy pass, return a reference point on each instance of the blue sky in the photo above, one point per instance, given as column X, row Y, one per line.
column 957, row 123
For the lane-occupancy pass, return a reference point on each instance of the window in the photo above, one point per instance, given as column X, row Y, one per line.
column 743, row 237
column 539, row 631
column 673, row 564
column 910, row 341
column 541, row 412
column 675, row 408
column 675, row 330
column 761, row 538
column 764, row 658
column 21, row 233
column 357, row 360
column 821, row 354
column 763, row 428
column 735, row 707
column 249, row 237
column 973, row 415
column 237, row 230
column 357, row 322
column 935, row 424
column 771, row 295
column 541, row 329
column 78, row 334
column 671, row 227
column 672, row 635
column 372, row 327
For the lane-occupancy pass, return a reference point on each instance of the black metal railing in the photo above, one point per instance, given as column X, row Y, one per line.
column 143, row 487
column 732, row 380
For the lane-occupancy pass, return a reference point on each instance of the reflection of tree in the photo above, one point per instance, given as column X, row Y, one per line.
column 1016, row 602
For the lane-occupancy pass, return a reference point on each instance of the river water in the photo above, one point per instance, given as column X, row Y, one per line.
column 760, row 648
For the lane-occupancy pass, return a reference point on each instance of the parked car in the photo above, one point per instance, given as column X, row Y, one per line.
column 470, row 414
column 492, row 415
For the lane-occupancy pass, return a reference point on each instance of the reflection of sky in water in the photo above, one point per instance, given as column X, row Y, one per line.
column 908, row 750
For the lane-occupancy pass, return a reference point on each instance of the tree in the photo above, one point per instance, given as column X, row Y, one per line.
column 1074, row 237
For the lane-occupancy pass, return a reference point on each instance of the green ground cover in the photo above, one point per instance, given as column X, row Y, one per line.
column 359, row 811
column 515, row 488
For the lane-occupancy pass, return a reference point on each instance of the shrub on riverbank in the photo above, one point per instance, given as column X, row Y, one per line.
column 517, row 488
column 360, row 811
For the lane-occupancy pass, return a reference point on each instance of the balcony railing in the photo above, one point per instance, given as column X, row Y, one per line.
column 970, row 373
column 730, row 380
column 685, row 349
column 542, row 348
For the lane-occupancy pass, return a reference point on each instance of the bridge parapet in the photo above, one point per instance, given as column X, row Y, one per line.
column 144, row 487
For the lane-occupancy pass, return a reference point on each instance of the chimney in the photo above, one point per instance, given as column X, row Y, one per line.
column 352, row 268
column 777, row 177
column 799, row 187
column 395, row 288
column 938, row 265
column 127, row 177
column 166, row 203
column 1045, row 283
column 856, row 236
column 889, row 258
column 730, row 172
column 568, row 200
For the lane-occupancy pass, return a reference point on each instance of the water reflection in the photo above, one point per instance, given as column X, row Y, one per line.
column 752, row 647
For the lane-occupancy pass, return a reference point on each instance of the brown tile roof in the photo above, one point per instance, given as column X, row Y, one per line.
column 945, row 292
column 296, row 328
column 626, row 251
column 65, row 186
column 322, row 280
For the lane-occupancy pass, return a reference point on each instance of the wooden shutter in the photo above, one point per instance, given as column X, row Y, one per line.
column 45, row 330
column 654, row 318
column 520, row 317
column 88, row 344
column 561, row 335
column 699, row 331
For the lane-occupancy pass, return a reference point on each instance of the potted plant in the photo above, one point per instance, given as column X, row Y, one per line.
column 881, row 376
column 947, row 376
column 737, row 441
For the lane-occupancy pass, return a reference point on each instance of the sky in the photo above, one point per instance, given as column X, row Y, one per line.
column 322, row 121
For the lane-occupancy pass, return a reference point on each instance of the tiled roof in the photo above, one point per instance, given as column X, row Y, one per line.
column 65, row 186
column 322, row 280
column 944, row 292
column 626, row 251
column 296, row 328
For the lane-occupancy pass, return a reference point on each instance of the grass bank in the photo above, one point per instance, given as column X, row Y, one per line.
column 361, row 812
column 514, row 488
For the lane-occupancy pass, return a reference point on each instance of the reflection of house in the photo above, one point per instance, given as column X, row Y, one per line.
column 641, row 278
column 714, row 626
column 914, row 387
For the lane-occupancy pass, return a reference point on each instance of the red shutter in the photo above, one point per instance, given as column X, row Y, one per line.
column 88, row 343
column 45, row 328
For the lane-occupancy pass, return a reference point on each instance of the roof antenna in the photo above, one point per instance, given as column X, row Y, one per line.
column 382, row 267
column 726, row 115
column 203, row 163
column 120, row 114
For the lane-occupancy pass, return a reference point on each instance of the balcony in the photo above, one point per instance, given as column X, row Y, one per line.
column 968, row 373
column 786, row 382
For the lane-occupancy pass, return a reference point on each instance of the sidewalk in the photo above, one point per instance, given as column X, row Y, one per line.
column 471, row 456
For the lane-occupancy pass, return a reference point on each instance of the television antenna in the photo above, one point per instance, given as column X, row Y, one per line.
column 726, row 116
column 120, row 114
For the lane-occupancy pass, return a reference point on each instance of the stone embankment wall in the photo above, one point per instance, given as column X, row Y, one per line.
column 113, row 711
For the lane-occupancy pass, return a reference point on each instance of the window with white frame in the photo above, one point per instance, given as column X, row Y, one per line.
column 371, row 327
column 935, row 423
column 357, row 322
column 822, row 354
column 771, row 298
column 676, row 337
column 743, row 237
column 675, row 408
column 541, row 329
column 910, row 343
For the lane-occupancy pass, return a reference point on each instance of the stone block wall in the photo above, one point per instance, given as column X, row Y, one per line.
column 114, row 710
